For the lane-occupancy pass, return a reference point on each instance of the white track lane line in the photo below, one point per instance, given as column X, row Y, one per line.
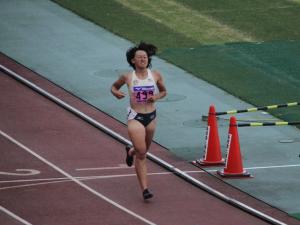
column 193, row 171
column 75, row 180
column 16, row 217
column 30, row 172
column 83, row 177
column 271, row 167
column 63, row 179
column 54, row 180
column 106, row 168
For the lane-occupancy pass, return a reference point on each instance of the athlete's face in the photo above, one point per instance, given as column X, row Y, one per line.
column 140, row 59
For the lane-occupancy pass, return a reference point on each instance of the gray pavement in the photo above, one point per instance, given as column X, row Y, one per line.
column 85, row 59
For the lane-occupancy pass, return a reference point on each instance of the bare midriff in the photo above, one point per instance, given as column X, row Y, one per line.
column 141, row 107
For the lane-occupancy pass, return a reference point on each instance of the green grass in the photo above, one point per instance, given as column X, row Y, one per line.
column 264, row 20
column 296, row 215
column 186, row 20
column 244, row 47
column 127, row 23
column 253, row 72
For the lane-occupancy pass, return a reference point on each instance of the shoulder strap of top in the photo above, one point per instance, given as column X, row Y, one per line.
column 150, row 75
column 133, row 77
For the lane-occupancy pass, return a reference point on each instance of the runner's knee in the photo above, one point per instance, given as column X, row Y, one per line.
column 141, row 155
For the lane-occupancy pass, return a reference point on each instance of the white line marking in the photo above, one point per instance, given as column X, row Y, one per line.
column 61, row 180
column 75, row 180
column 83, row 177
column 16, row 217
column 105, row 168
column 195, row 171
column 272, row 167
column 35, row 184
column 133, row 174
column 251, row 168
column 32, row 180
column 30, row 172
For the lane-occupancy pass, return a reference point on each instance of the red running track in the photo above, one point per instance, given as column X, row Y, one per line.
column 72, row 173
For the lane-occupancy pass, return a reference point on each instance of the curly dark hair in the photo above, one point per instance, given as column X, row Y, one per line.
column 148, row 48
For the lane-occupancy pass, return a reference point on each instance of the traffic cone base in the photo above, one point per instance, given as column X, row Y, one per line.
column 200, row 164
column 222, row 173
column 204, row 162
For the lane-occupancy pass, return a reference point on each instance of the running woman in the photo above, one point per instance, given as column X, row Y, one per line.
column 145, row 87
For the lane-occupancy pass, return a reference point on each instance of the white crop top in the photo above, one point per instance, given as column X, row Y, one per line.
column 142, row 89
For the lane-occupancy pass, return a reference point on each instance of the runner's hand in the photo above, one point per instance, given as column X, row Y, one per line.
column 119, row 94
column 151, row 99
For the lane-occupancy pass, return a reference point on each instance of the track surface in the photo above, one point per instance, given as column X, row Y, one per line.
column 58, row 169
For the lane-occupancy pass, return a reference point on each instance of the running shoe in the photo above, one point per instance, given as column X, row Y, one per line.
column 129, row 158
column 147, row 194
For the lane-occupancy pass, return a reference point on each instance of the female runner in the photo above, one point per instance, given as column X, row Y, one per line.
column 145, row 87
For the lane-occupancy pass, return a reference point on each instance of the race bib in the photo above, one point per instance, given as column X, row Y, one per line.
column 142, row 93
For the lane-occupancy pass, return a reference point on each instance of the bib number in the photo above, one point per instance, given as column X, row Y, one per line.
column 142, row 93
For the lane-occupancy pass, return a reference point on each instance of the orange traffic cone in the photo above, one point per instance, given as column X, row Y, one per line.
column 212, row 150
column 234, row 164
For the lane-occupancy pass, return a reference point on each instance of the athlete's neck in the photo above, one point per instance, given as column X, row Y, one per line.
column 141, row 73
